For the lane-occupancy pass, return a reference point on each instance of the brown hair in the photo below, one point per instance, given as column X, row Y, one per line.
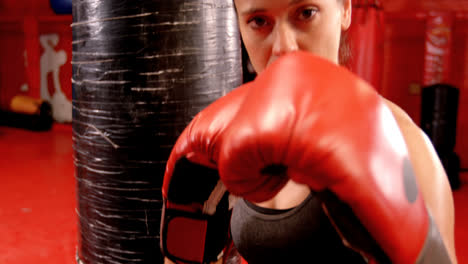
column 344, row 52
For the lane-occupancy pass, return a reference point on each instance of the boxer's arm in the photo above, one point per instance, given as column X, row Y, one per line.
column 430, row 175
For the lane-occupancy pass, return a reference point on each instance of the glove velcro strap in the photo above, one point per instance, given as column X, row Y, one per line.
column 185, row 236
column 194, row 237
column 196, row 214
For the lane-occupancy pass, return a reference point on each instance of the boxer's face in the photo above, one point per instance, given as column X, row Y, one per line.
column 271, row 28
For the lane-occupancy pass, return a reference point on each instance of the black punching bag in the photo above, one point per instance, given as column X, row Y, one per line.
column 439, row 109
column 141, row 71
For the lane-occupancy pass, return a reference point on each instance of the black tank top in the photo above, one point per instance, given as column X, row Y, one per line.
column 299, row 235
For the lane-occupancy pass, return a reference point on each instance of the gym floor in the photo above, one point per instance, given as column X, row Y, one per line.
column 38, row 221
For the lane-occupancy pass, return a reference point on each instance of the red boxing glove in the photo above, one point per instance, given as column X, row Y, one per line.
column 316, row 123
column 196, row 215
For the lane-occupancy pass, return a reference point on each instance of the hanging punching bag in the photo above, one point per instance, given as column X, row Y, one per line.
column 439, row 111
column 439, row 101
column 438, row 48
column 141, row 71
column 366, row 39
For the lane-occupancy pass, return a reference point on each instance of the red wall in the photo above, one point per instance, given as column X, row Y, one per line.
column 21, row 25
column 460, row 79
column 404, row 58
column 425, row 5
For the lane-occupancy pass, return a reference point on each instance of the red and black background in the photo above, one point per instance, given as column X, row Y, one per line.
column 37, row 185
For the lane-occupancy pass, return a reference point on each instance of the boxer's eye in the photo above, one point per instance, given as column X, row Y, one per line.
column 258, row 22
column 306, row 13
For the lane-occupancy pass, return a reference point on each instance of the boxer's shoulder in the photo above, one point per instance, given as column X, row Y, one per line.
column 422, row 153
column 402, row 118
column 414, row 136
column 412, row 133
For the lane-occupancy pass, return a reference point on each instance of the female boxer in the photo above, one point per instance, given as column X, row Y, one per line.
column 271, row 29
